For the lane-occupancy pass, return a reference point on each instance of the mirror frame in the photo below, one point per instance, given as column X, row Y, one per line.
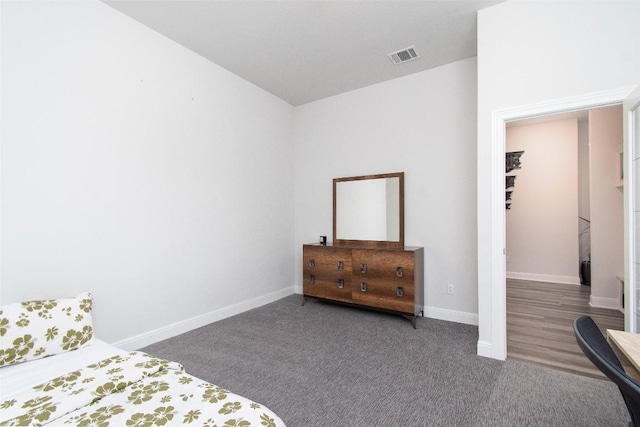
column 372, row 243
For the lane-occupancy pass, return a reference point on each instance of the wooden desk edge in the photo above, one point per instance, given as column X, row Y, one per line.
column 626, row 345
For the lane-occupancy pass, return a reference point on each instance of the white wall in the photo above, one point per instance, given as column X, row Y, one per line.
column 133, row 168
column 423, row 125
column 607, row 215
column 533, row 52
column 542, row 224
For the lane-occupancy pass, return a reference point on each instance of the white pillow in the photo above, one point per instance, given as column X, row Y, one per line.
column 35, row 329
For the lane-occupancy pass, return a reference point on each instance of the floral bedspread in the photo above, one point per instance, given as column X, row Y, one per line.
column 133, row 390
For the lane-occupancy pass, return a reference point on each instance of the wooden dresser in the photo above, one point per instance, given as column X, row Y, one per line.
column 385, row 279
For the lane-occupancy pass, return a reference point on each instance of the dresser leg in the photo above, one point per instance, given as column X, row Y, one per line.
column 304, row 299
column 411, row 319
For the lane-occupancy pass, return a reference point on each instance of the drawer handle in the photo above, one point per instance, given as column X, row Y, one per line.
column 340, row 283
column 312, row 279
column 340, row 265
column 399, row 292
column 363, row 287
column 312, row 263
column 399, row 272
column 363, row 268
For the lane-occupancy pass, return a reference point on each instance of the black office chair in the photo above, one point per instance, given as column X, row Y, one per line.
column 595, row 346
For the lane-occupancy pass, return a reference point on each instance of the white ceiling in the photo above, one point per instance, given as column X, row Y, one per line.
column 302, row 51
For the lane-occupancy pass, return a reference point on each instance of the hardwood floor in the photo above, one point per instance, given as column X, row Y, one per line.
column 540, row 324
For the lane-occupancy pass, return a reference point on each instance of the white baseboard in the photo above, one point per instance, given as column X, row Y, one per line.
column 603, row 302
column 151, row 337
column 451, row 315
column 552, row 278
column 485, row 349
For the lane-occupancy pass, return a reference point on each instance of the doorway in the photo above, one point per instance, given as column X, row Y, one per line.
column 548, row 203
column 494, row 271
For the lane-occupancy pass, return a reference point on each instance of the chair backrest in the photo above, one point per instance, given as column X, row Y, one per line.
column 595, row 346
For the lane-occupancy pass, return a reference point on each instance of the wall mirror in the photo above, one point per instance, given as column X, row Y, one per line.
column 369, row 210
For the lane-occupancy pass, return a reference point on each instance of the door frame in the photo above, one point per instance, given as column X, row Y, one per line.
column 630, row 129
column 499, row 118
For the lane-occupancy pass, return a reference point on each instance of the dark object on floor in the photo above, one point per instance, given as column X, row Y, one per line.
column 585, row 273
column 597, row 349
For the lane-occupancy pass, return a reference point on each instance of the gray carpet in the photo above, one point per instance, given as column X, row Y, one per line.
column 329, row 365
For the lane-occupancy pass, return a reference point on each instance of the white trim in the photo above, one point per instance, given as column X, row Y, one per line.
column 630, row 200
column 569, row 280
column 566, row 105
column 485, row 349
column 156, row 335
column 497, row 348
column 451, row 315
column 602, row 302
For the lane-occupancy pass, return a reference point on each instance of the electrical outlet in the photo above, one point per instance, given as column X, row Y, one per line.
column 450, row 289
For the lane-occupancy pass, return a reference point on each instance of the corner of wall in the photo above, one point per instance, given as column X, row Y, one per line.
column 142, row 340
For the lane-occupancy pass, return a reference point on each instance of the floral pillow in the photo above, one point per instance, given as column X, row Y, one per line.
column 34, row 329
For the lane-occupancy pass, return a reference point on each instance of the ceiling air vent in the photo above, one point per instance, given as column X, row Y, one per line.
column 404, row 55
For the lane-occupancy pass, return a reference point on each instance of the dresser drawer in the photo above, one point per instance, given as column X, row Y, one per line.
column 326, row 262
column 390, row 265
column 327, row 272
column 337, row 289
column 385, row 294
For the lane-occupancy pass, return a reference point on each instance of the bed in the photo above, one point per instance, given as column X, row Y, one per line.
column 54, row 371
